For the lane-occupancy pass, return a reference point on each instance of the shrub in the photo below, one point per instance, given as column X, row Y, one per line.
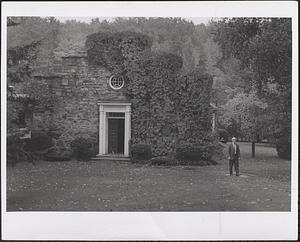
column 81, row 148
column 195, row 152
column 94, row 147
column 14, row 145
column 39, row 142
column 223, row 135
column 57, row 156
column 16, row 152
column 172, row 161
column 196, row 162
column 162, row 160
column 141, row 152
column 55, row 134
column 283, row 147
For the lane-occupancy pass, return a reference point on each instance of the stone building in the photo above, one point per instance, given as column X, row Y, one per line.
column 89, row 102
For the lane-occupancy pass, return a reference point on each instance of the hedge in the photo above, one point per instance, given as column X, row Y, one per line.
column 141, row 152
column 39, row 141
column 194, row 152
column 82, row 148
column 284, row 149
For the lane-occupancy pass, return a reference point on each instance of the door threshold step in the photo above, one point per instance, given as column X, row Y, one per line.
column 110, row 157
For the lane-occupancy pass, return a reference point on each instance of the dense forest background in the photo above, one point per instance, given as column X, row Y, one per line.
column 250, row 60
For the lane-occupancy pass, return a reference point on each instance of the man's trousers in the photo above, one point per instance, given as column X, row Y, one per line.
column 234, row 162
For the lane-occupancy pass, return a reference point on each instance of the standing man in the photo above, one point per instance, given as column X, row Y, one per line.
column 234, row 156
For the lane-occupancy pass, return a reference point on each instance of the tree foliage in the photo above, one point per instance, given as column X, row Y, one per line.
column 31, row 43
column 264, row 48
column 20, row 62
column 234, row 36
column 171, row 35
column 248, row 111
column 261, row 44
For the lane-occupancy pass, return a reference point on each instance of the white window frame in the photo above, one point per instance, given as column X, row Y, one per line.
column 116, row 88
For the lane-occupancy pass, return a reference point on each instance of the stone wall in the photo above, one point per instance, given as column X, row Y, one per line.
column 77, row 87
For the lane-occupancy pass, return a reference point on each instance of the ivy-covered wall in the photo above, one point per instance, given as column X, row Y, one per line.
column 168, row 106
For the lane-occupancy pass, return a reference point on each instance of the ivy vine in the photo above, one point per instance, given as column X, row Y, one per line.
column 168, row 106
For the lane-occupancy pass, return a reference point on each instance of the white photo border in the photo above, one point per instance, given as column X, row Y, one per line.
column 152, row 225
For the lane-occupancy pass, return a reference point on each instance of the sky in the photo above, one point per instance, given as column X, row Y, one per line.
column 88, row 19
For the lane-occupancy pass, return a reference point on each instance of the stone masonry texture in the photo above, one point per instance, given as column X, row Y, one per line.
column 77, row 88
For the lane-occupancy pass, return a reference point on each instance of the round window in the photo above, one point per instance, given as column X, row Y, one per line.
column 116, row 82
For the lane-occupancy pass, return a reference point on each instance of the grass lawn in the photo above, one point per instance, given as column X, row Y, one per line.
column 264, row 185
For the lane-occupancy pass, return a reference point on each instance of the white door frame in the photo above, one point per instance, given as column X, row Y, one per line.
column 104, row 108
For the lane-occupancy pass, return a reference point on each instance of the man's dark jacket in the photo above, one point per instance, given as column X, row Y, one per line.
column 231, row 152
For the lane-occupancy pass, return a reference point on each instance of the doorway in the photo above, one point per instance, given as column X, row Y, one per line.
column 114, row 129
column 115, row 134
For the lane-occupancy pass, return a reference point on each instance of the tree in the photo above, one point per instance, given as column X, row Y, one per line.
column 264, row 48
column 19, row 67
column 234, row 36
column 247, row 110
column 172, row 35
column 11, row 22
column 272, row 63
column 34, row 41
